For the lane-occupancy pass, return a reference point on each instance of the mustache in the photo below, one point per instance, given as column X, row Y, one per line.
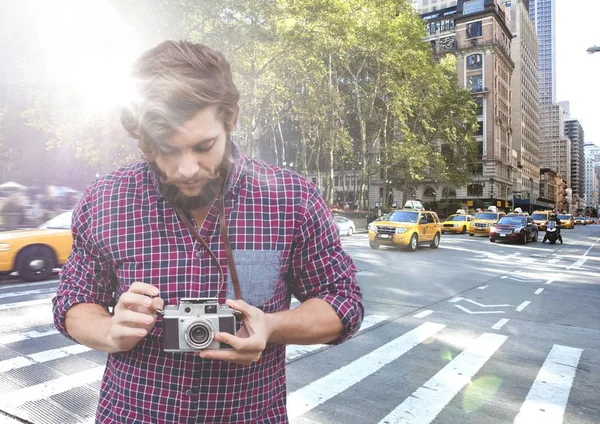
column 198, row 178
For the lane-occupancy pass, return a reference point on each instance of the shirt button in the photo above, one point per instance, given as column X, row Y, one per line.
column 188, row 392
column 199, row 254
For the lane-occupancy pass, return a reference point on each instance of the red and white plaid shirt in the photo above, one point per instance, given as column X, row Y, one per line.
column 284, row 242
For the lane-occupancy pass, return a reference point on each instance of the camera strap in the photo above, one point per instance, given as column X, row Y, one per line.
column 230, row 261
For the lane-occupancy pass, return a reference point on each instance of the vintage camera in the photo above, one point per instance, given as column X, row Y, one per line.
column 191, row 325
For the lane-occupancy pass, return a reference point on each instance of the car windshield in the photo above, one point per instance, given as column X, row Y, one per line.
column 487, row 216
column 340, row 219
column 512, row 220
column 539, row 216
column 564, row 217
column 401, row 216
column 60, row 222
column 457, row 218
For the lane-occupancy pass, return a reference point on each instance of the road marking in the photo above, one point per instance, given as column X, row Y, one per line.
column 294, row 351
column 25, row 304
column 522, row 306
column 27, row 285
column 40, row 357
column 554, row 261
column 485, row 306
column 323, row 389
column 482, row 287
column 430, row 399
column 547, row 398
column 504, row 277
column 500, row 324
column 19, row 337
column 538, row 291
column 423, row 314
column 462, row 308
column 51, row 388
column 456, row 299
column 583, row 259
column 28, row 292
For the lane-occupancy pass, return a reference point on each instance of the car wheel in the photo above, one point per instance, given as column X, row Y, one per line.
column 525, row 240
column 464, row 230
column 436, row 241
column 350, row 231
column 414, row 243
column 374, row 245
column 472, row 235
column 35, row 263
column 492, row 240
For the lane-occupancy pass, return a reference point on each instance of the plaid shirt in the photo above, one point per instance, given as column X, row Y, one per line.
column 284, row 242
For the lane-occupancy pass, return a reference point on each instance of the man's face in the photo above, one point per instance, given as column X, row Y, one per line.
column 193, row 162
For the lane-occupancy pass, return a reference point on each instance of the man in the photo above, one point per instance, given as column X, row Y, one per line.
column 129, row 234
column 555, row 218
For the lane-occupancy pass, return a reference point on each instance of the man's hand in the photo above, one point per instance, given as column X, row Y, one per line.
column 134, row 316
column 249, row 342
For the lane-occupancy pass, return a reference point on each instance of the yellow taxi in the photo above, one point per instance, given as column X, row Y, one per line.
column 483, row 222
column 406, row 228
column 33, row 253
column 567, row 221
column 457, row 223
column 540, row 218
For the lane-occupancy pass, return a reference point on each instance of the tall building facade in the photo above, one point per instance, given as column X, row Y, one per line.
column 425, row 6
column 574, row 132
column 543, row 15
column 525, row 106
column 555, row 148
column 592, row 176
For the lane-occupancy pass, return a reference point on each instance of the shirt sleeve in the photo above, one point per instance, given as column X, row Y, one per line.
column 321, row 269
column 85, row 277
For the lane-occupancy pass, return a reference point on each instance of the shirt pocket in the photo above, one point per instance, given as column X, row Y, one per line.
column 258, row 273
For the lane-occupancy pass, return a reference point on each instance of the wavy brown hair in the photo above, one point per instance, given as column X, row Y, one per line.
column 174, row 81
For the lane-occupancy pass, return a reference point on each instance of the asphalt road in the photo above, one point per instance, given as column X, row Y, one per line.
column 472, row 332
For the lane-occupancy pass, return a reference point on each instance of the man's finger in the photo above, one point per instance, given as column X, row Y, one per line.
column 131, row 317
column 144, row 288
column 235, row 342
column 240, row 305
column 130, row 300
column 122, row 331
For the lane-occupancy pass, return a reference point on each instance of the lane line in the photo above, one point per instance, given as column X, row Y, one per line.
column 500, row 324
column 462, row 308
column 482, row 287
column 522, row 306
column 424, row 405
column 25, row 304
column 547, row 398
column 294, row 351
column 19, row 337
column 481, row 305
column 456, row 299
column 323, row 389
column 423, row 314
column 41, row 357
column 538, row 291
column 583, row 259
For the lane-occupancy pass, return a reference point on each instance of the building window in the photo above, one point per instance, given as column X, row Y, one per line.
column 448, row 193
column 475, row 190
column 474, row 29
column 479, row 130
column 479, row 102
column 429, row 193
column 475, row 83
column 474, row 61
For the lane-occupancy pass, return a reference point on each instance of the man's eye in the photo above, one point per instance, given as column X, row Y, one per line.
column 205, row 147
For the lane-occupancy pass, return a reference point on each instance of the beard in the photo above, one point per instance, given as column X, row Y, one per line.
column 211, row 188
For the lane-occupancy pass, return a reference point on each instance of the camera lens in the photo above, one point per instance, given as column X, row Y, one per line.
column 199, row 335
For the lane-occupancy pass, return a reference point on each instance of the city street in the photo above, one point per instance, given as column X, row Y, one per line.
column 472, row 332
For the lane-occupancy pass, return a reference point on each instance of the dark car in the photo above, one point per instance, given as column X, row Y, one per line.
column 514, row 228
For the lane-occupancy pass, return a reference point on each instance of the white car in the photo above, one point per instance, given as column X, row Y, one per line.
column 345, row 226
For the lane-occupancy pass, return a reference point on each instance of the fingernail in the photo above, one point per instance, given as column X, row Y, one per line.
column 155, row 292
column 148, row 302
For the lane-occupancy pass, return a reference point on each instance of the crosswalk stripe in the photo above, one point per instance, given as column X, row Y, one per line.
column 19, row 337
column 24, row 304
column 428, row 401
column 28, row 292
column 51, row 388
column 39, row 357
column 323, row 389
column 295, row 351
column 548, row 396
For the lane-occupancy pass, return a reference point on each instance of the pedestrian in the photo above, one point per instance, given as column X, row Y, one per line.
column 198, row 219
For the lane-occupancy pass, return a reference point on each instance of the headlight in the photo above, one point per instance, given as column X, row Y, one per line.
column 492, row 229
column 400, row 230
column 4, row 247
column 373, row 228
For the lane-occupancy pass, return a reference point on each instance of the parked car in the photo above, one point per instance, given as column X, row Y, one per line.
column 33, row 253
column 514, row 228
column 406, row 228
column 345, row 226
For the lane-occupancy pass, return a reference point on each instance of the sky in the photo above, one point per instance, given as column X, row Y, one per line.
column 578, row 72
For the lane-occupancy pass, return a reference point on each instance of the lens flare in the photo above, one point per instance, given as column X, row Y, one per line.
column 479, row 392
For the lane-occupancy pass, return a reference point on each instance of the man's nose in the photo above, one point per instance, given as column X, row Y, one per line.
column 188, row 167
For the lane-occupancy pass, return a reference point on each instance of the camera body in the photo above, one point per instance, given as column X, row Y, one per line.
column 190, row 325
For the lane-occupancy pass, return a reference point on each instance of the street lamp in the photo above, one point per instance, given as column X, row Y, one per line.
column 593, row 50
